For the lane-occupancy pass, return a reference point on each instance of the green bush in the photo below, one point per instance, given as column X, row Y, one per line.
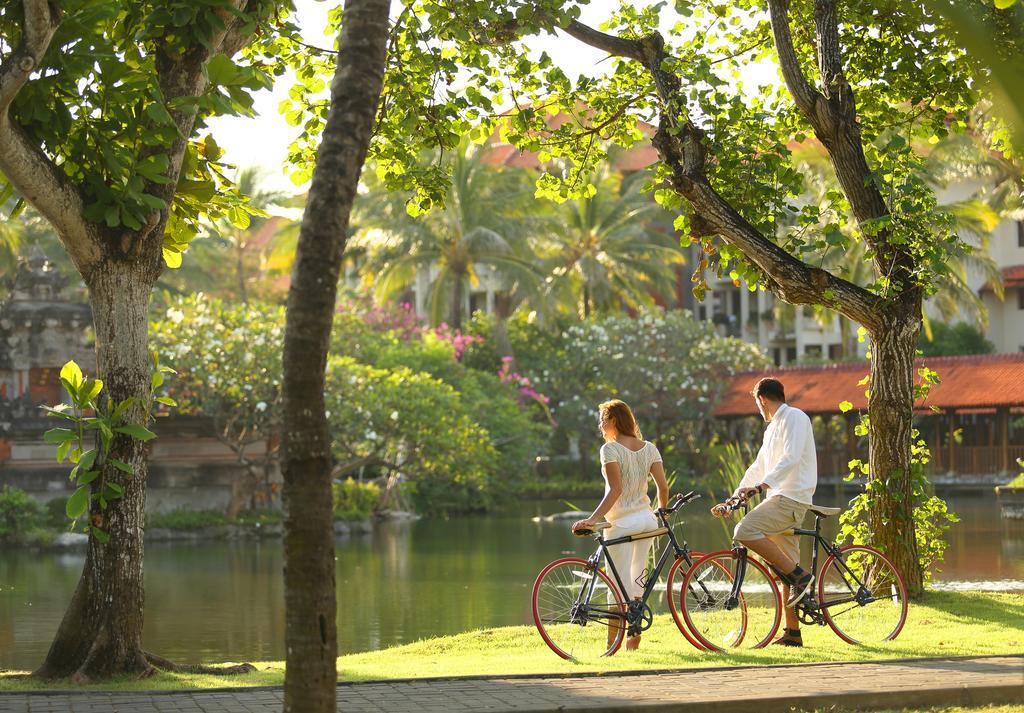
column 355, row 501
column 20, row 514
column 56, row 513
column 402, row 421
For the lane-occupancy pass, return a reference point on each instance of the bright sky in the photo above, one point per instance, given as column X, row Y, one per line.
column 263, row 140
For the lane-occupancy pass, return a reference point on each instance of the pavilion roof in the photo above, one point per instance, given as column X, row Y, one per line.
column 968, row 382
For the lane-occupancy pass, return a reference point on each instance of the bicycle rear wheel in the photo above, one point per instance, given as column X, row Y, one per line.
column 862, row 596
column 578, row 610
column 719, row 623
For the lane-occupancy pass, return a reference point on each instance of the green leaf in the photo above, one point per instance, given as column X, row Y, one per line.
column 72, row 373
column 172, row 258
column 59, row 435
column 91, row 389
column 88, row 476
column 116, row 489
column 62, row 450
column 156, row 380
column 78, row 503
column 122, row 466
column 1005, row 4
column 140, row 433
column 124, row 406
column 100, row 535
column 845, row 406
column 166, row 401
column 87, row 459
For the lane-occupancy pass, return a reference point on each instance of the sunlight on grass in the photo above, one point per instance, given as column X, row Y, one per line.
column 943, row 624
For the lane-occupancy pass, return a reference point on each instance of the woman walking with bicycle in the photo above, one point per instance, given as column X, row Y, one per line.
column 627, row 464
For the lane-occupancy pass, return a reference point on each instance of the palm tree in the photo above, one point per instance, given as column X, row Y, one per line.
column 612, row 249
column 486, row 221
column 237, row 237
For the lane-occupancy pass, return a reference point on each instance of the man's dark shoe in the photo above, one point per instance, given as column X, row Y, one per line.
column 790, row 637
column 800, row 585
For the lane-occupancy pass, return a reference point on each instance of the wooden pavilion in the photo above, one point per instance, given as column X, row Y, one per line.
column 973, row 421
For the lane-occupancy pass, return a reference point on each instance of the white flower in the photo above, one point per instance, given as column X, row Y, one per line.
column 394, row 415
column 261, row 406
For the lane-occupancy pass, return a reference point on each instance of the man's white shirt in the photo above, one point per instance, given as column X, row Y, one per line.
column 786, row 462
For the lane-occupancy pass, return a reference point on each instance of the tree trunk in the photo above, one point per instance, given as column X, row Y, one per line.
column 502, row 311
column 310, row 609
column 891, row 413
column 586, row 301
column 458, row 296
column 101, row 633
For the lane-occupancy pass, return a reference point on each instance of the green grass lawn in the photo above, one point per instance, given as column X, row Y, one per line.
column 943, row 624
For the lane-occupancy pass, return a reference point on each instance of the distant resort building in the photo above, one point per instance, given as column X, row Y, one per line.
column 787, row 334
column 973, row 421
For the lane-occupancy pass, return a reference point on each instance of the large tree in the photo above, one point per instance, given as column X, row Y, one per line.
column 310, row 610
column 100, row 106
column 866, row 79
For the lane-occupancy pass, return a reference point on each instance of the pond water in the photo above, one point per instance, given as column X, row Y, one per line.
column 224, row 601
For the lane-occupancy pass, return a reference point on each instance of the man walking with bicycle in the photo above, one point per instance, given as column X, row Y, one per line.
column 786, row 471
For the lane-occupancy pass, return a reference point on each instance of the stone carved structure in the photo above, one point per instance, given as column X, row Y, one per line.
column 41, row 328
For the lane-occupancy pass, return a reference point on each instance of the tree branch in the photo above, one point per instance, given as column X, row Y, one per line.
column 681, row 147
column 32, row 173
column 790, row 279
column 803, row 93
column 618, row 46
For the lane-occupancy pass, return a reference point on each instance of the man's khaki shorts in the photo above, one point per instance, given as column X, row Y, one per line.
column 773, row 518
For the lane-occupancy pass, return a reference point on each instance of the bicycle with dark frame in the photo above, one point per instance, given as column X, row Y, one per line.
column 730, row 600
column 580, row 611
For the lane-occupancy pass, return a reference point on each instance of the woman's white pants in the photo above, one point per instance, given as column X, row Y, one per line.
column 630, row 558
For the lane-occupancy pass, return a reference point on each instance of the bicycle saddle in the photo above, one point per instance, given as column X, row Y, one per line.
column 590, row 532
column 822, row 511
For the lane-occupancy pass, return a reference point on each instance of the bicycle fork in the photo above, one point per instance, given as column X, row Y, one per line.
column 740, row 555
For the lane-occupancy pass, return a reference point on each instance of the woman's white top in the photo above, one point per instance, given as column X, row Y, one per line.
column 635, row 467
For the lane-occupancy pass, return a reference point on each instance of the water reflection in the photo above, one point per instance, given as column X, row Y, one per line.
column 224, row 601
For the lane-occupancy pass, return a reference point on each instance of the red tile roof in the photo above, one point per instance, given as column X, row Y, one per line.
column 967, row 382
column 1013, row 276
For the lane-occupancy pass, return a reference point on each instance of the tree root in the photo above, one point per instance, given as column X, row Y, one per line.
column 159, row 662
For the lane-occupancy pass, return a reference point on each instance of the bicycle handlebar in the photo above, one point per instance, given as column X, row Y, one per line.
column 678, row 501
column 733, row 504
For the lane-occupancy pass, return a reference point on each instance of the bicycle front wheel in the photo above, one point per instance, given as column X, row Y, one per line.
column 578, row 610
column 862, row 596
column 675, row 593
column 717, row 620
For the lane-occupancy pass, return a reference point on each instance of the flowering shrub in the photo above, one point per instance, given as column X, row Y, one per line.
column 670, row 367
column 228, row 363
column 455, row 338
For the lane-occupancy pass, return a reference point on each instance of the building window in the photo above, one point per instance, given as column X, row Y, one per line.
column 790, row 354
column 835, row 352
column 1020, row 298
column 1020, row 233
column 777, row 355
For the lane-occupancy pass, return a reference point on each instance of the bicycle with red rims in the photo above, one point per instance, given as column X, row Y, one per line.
column 576, row 602
column 730, row 600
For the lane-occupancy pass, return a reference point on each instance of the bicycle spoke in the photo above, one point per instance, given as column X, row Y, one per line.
column 576, row 608
column 862, row 595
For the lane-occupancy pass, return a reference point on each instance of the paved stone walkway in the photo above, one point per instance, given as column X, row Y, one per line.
column 767, row 689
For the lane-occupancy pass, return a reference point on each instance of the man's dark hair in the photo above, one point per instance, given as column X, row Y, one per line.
column 770, row 388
